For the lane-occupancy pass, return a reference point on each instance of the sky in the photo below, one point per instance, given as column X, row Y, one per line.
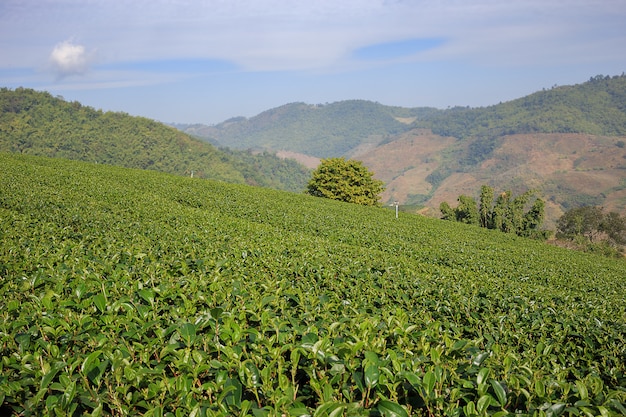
column 195, row 61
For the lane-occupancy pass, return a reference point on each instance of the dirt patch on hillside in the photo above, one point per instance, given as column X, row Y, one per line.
column 405, row 163
column 310, row 162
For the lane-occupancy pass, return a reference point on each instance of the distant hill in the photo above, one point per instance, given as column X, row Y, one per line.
column 567, row 142
column 322, row 130
column 37, row 123
column 597, row 107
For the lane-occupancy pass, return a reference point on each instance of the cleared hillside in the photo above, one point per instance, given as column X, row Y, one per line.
column 132, row 292
column 568, row 170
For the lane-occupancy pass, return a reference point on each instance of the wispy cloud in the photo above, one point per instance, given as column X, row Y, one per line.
column 263, row 35
column 452, row 50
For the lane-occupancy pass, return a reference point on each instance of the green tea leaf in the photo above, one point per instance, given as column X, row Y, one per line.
column 582, row 390
column 498, row 388
column 429, row 382
column 617, row 406
column 391, row 409
column 90, row 361
column 188, row 333
column 100, row 302
column 47, row 378
column 330, row 409
column 372, row 373
column 147, row 294
column 483, row 403
column 482, row 376
column 555, row 410
column 480, row 358
column 413, row 379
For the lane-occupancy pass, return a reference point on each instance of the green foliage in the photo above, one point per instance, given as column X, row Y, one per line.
column 466, row 211
column 595, row 107
column 593, row 229
column 345, row 180
column 268, row 170
column 37, row 123
column 507, row 215
column 324, row 131
column 581, row 221
column 486, row 199
column 127, row 292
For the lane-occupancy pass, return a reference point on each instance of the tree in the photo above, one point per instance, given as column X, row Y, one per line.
column 507, row 214
column 500, row 214
column 614, row 226
column 447, row 212
column 580, row 222
column 486, row 199
column 591, row 223
column 534, row 219
column 345, row 180
column 466, row 211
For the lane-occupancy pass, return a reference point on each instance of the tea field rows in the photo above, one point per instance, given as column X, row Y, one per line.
column 127, row 292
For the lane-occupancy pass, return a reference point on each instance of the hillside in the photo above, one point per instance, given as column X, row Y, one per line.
column 133, row 292
column 37, row 123
column 568, row 170
column 322, row 130
column 596, row 107
column 567, row 142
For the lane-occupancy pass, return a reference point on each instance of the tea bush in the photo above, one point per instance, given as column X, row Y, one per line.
column 126, row 292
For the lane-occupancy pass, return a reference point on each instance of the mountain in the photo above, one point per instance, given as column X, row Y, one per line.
column 37, row 123
column 321, row 130
column 566, row 142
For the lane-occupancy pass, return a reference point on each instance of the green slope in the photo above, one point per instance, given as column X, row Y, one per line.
column 595, row 107
column 319, row 130
column 37, row 123
column 140, row 293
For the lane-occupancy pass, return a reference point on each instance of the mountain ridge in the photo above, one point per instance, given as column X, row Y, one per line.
column 435, row 155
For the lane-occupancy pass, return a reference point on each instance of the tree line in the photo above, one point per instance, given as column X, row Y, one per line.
column 506, row 213
column 587, row 228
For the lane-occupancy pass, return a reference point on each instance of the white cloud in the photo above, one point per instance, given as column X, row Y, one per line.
column 68, row 58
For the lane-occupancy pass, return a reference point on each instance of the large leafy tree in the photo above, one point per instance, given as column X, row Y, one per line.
column 593, row 224
column 345, row 180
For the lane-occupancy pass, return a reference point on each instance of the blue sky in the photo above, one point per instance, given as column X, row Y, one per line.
column 193, row 61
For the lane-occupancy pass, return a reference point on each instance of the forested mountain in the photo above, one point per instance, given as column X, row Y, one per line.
column 37, row 123
column 566, row 142
column 597, row 107
column 321, row 130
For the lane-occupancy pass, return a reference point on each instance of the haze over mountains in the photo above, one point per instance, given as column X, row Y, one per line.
column 566, row 142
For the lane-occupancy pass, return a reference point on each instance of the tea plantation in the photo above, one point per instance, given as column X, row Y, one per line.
column 127, row 292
